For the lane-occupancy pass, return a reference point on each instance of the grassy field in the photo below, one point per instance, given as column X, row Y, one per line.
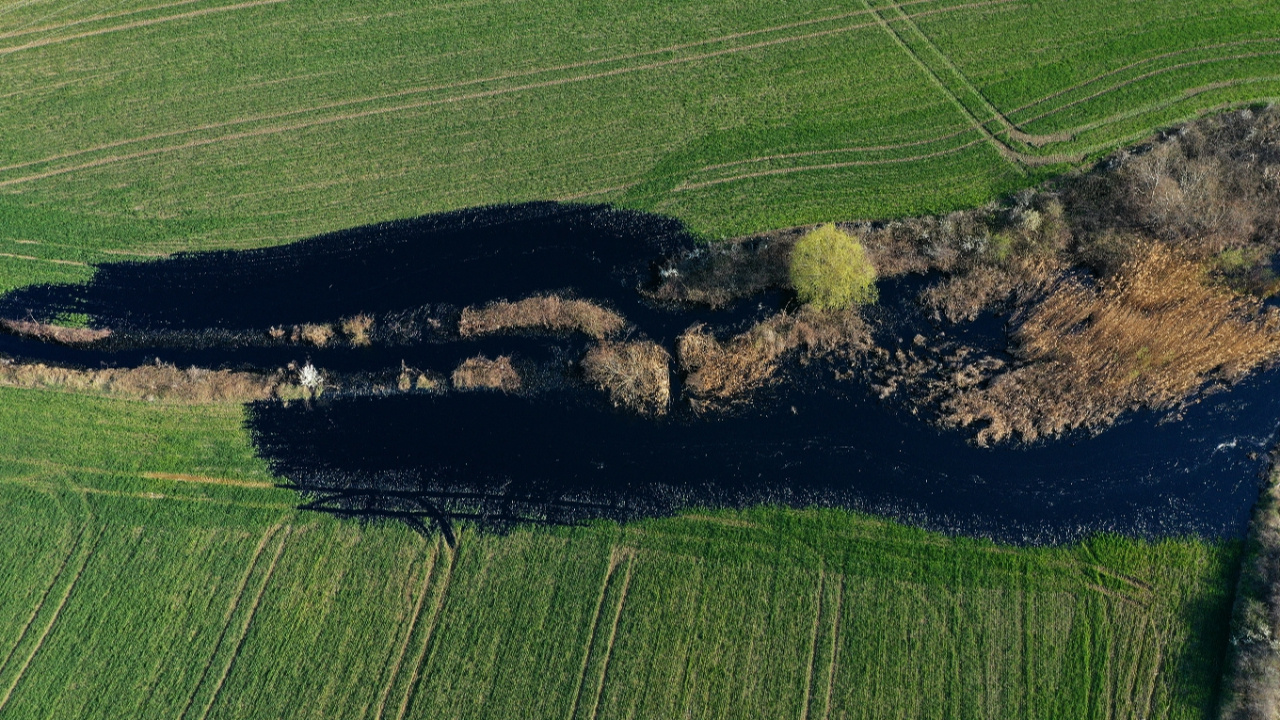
column 138, row 127
column 152, row 570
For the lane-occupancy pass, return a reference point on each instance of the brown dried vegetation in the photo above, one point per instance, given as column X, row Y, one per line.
column 482, row 373
column 314, row 334
column 54, row 333
column 164, row 383
column 1146, row 337
column 541, row 312
column 720, row 373
column 716, row 275
column 635, row 374
column 357, row 328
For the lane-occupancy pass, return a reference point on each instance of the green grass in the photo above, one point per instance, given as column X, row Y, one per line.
column 142, row 584
column 147, row 128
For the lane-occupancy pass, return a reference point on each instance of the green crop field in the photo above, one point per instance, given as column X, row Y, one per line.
column 150, row 587
column 135, row 128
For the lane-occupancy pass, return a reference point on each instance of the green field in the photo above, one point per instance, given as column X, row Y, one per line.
column 133, row 128
column 151, row 570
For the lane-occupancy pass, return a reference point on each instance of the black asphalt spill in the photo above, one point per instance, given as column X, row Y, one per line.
column 563, row 455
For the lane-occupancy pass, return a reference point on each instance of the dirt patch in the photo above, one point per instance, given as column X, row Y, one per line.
column 636, row 374
column 541, row 312
column 54, row 333
column 481, row 373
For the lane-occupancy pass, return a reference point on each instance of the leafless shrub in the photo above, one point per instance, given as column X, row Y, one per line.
column 1146, row 337
column 54, row 333
column 275, row 332
column 481, row 372
column 635, row 374
column 717, row 274
column 357, row 328
column 719, row 373
column 164, row 383
column 544, row 312
column 315, row 334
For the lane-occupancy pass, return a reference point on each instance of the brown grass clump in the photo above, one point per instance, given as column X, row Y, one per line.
column 357, row 328
column 541, row 312
column 164, row 383
column 635, row 374
column 1148, row 336
column 723, row 372
column 315, row 334
column 481, row 372
column 54, row 333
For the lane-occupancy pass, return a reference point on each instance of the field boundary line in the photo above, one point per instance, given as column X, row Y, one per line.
column 244, row 629
column 373, row 112
column 436, row 611
column 834, row 151
column 613, row 633
column 135, row 25
column 394, row 674
column 57, row 613
column 230, row 613
column 95, row 18
column 614, row 559
column 76, row 542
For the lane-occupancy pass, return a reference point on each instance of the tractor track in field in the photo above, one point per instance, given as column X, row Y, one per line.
column 134, row 25
column 438, row 101
column 230, row 613
column 835, row 650
column 394, row 674
column 57, row 613
column 93, row 19
column 813, row 649
column 244, row 630
column 437, row 610
column 616, row 557
column 613, row 633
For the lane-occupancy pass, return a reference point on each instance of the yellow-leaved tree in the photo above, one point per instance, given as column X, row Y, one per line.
column 830, row 270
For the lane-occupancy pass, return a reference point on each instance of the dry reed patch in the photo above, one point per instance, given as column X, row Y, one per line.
column 54, row 333
column 357, row 328
column 1148, row 336
column 541, row 312
column 635, row 374
column 716, row 275
column 481, row 372
column 719, row 373
column 151, row 382
column 314, row 334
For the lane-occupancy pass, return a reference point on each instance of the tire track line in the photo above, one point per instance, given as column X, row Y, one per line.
column 835, row 650
column 449, row 86
column 613, row 633
column 44, row 597
column 1013, row 131
column 244, row 630
column 229, row 614
column 436, row 611
column 813, row 649
column 57, row 613
column 135, row 25
column 683, row 187
column 408, row 635
column 95, row 18
column 614, row 558
column 1130, row 66
column 834, row 151
column 1145, row 76
column 1005, row 151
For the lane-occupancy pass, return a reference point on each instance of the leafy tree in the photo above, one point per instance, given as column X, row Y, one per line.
column 830, row 270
